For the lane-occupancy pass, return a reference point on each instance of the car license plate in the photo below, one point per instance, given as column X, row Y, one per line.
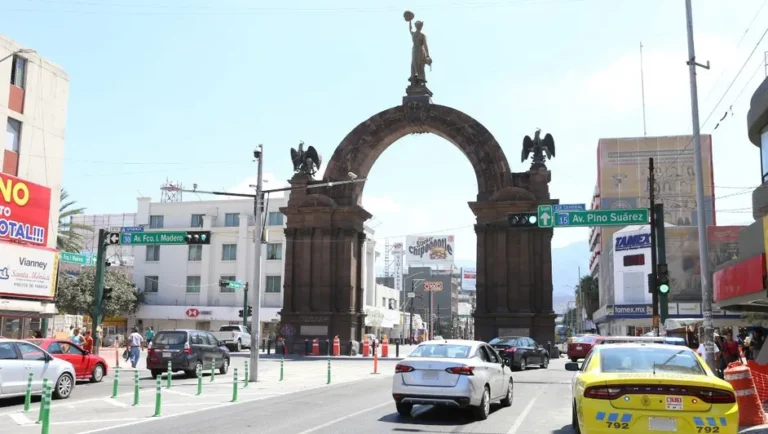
column 579, row 348
column 667, row 424
column 430, row 375
column 674, row 402
column 166, row 354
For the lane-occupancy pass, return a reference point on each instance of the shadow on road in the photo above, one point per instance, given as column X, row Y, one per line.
column 567, row 429
column 434, row 415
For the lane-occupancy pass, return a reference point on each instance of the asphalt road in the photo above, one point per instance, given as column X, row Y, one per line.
column 541, row 405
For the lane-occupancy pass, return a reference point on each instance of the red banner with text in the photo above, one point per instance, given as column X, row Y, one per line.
column 24, row 210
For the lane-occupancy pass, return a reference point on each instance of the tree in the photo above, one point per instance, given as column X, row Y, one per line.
column 68, row 240
column 75, row 294
column 589, row 289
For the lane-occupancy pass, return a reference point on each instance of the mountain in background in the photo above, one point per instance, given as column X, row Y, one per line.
column 566, row 262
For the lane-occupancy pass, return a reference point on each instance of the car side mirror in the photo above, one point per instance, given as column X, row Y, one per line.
column 571, row 366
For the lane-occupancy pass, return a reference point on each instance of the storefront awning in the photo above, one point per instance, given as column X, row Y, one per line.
column 12, row 307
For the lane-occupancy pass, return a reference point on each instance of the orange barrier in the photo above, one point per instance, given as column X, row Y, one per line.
column 375, row 362
column 366, row 347
column 315, row 347
column 336, row 346
column 750, row 409
column 384, row 347
column 760, row 375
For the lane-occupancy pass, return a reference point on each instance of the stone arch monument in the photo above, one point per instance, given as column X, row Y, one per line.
column 323, row 287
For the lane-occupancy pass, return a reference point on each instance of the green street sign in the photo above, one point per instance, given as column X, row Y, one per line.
column 147, row 238
column 76, row 258
column 234, row 284
column 545, row 216
column 612, row 217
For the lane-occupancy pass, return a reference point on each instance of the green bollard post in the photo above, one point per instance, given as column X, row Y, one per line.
column 246, row 375
column 213, row 369
column 234, row 387
column 199, row 380
column 46, row 409
column 28, row 396
column 116, row 382
column 169, row 376
column 42, row 400
column 329, row 371
column 158, row 397
column 281, row 368
column 136, row 387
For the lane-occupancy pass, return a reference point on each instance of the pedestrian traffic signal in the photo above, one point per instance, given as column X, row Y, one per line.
column 240, row 313
column 107, row 294
column 250, row 310
column 198, row 237
column 525, row 219
column 662, row 280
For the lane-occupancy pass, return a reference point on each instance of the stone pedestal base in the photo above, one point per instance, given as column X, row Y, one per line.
column 322, row 326
column 539, row 326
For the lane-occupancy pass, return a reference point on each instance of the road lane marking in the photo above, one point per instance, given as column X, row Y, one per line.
column 21, row 419
column 357, row 413
column 114, row 402
column 524, row 413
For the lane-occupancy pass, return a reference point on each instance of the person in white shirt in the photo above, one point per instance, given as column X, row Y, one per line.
column 134, row 342
column 703, row 352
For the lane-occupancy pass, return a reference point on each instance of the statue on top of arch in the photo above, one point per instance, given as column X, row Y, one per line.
column 306, row 162
column 419, row 57
column 542, row 149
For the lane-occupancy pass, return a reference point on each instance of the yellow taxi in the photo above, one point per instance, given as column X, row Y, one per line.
column 650, row 388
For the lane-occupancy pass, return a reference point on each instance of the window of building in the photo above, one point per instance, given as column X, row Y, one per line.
column 155, row 222
column 274, row 251
column 274, row 285
column 195, row 253
column 383, row 301
column 231, row 220
column 634, row 260
column 764, row 152
column 229, row 252
column 229, row 278
column 19, row 72
column 153, row 253
column 197, row 221
column 151, row 283
column 13, row 133
column 275, row 219
column 193, row 284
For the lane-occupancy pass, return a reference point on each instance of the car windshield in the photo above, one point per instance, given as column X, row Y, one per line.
column 450, row 351
column 170, row 338
column 512, row 342
column 649, row 360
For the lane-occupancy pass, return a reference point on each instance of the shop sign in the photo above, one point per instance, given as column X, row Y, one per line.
column 689, row 309
column 632, row 310
column 28, row 272
column 434, row 249
column 24, row 210
column 633, row 242
column 192, row 312
column 743, row 278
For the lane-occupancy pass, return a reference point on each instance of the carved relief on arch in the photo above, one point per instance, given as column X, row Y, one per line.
column 318, row 200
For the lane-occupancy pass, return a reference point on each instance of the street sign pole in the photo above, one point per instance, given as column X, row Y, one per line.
column 98, row 290
column 256, row 317
column 245, row 307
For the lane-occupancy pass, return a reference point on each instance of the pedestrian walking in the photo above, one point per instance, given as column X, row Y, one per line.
column 149, row 335
column 88, row 341
column 76, row 337
column 134, row 345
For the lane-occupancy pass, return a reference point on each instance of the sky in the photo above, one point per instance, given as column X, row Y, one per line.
column 184, row 91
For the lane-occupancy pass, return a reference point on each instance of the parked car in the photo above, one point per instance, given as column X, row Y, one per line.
column 453, row 373
column 520, row 352
column 234, row 337
column 187, row 350
column 579, row 347
column 87, row 366
column 20, row 358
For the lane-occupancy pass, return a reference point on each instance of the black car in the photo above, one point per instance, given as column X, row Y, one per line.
column 520, row 352
column 187, row 350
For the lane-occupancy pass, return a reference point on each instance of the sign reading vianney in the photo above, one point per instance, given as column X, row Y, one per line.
column 28, row 272
column 432, row 249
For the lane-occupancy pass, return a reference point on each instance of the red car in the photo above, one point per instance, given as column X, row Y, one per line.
column 87, row 366
column 580, row 346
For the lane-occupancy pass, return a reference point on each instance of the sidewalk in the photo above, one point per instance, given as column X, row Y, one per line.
column 182, row 397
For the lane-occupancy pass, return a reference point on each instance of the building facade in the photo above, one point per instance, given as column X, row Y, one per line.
column 33, row 107
column 740, row 285
column 181, row 283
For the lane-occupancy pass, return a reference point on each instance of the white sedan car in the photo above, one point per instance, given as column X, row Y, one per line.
column 455, row 373
column 18, row 359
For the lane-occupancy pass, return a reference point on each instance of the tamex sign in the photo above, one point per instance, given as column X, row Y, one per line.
column 24, row 210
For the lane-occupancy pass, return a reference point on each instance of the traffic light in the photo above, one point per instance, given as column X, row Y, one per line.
column 250, row 310
column 523, row 219
column 198, row 237
column 240, row 313
column 107, row 294
column 662, row 280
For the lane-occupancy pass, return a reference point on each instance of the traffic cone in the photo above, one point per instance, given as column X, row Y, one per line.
column 750, row 409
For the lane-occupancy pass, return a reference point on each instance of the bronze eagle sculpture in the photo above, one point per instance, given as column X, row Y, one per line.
column 307, row 161
column 542, row 149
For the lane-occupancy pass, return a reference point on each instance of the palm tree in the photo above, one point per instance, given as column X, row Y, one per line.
column 69, row 240
column 589, row 289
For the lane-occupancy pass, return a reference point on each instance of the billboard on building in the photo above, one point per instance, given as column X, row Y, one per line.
column 397, row 251
column 468, row 279
column 632, row 264
column 430, row 249
column 28, row 272
column 623, row 176
column 24, row 210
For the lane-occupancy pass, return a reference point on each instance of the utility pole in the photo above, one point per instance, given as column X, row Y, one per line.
column 706, row 292
column 256, row 317
column 580, row 297
column 245, row 307
column 98, row 290
column 413, row 299
column 652, row 282
column 661, row 268
column 431, row 332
